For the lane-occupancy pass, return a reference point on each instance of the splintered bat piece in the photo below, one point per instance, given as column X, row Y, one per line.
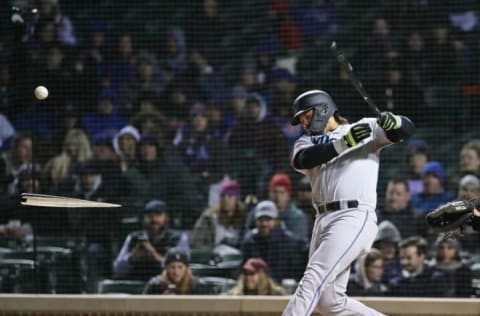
column 44, row 200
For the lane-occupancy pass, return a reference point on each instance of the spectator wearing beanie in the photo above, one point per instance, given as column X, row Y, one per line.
column 255, row 280
column 433, row 194
column 176, row 278
column 291, row 217
column 223, row 223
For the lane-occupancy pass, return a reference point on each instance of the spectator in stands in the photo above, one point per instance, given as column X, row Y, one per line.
column 203, row 153
column 122, row 66
column 303, row 199
column 367, row 280
column 417, row 278
column 176, row 106
column 148, row 78
column 69, row 118
column 456, row 271
column 105, row 118
column 15, row 160
column 259, row 143
column 168, row 177
column 49, row 10
column 433, row 193
column 255, row 280
column 176, row 278
column 97, row 225
column 415, row 58
column 470, row 158
column 149, row 122
column 469, row 188
column 175, row 52
column 58, row 171
column 126, row 144
column 441, row 51
column 292, row 218
column 235, row 109
column 416, row 156
column 398, row 209
column 271, row 242
column 7, row 131
column 386, row 241
column 143, row 251
column 224, row 223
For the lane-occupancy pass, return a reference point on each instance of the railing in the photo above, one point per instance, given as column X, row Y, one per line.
column 117, row 305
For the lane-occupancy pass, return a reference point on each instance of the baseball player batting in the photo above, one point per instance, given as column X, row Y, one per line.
column 341, row 161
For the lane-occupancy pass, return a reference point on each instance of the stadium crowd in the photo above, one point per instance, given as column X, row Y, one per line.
column 190, row 131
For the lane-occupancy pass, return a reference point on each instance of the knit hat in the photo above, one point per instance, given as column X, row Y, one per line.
column 155, row 206
column 254, row 265
column 230, row 187
column 176, row 254
column 281, row 179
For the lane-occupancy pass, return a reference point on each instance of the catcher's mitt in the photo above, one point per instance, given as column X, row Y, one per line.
column 450, row 217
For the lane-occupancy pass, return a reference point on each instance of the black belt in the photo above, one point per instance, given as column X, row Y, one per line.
column 336, row 205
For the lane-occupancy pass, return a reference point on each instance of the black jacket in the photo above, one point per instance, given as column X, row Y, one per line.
column 429, row 283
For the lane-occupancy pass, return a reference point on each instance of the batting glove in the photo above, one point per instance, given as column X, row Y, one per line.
column 389, row 121
column 354, row 136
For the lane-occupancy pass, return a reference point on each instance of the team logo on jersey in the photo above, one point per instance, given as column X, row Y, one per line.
column 321, row 139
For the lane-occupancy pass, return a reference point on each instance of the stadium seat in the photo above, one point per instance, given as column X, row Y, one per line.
column 217, row 285
column 17, row 276
column 120, row 287
column 475, row 268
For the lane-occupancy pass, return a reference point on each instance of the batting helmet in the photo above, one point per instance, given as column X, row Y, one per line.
column 318, row 100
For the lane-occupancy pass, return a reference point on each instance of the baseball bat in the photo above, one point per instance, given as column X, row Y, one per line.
column 347, row 67
column 43, row 200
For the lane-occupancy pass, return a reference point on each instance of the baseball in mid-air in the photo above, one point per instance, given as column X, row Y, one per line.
column 41, row 93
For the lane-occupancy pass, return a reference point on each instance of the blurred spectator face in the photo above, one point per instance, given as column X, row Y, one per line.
column 146, row 71
column 146, row 105
column 416, row 42
column 238, row 105
column 47, row 8
column 417, row 161
column 23, row 152
column 251, row 280
column 198, row 59
column 446, row 252
column 469, row 160
column 103, row 152
column 440, row 34
column 247, row 78
column 374, row 271
column 47, row 33
column 155, row 222
column 253, row 109
column 397, row 196
column 265, row 225
column 125, row 45
column 432, row 184
column 54, row 58
column 200, row 122
column 388, row 249
column 469, row 188
column 410, row 260
column 280, row 196
column 89, row 181
column 228, row 203
column 394, row 76
column 127, row 145
column 178, row 96
column 172, row 45
column 98, row 39
column 380, row 28
column 210, row 7
column 72, row 147
column 176, row 272
column 105, row 106
column 149, row 152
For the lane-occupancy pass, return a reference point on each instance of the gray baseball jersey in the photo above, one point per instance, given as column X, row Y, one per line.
column 339, row 237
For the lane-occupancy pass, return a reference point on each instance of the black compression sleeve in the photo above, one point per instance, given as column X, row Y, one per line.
column 314, row 156
column 405, row 131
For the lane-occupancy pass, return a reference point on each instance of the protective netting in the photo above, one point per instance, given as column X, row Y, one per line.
column 180, row 112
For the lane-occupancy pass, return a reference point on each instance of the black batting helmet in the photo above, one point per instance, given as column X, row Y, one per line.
column 318, row 100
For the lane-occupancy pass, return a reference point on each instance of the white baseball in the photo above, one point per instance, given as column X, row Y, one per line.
column 41, row 93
